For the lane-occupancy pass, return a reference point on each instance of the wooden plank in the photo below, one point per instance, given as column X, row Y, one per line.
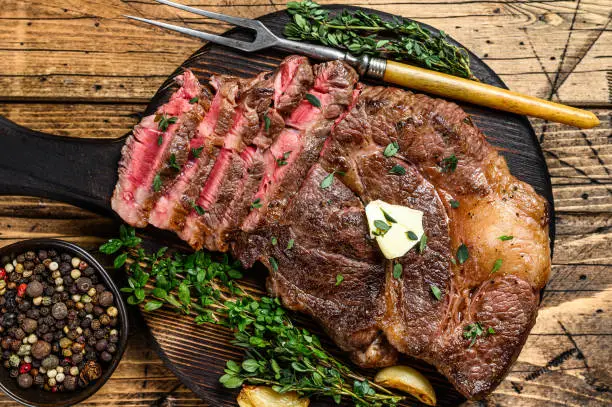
column 41, row 58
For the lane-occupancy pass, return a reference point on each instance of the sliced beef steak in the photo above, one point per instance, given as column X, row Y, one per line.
column 149, row 148
column 244, row 171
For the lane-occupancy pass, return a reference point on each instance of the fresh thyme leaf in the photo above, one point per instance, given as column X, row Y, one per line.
column 199, row 210
column 474, row 330
column 496, row 266
column 339, row 279
column 283, row 160
column 256, row 204
column 503, row 238
column 194, row 100
column 172, row 163
column 383, row 226
column 290, row 244
column 391, row 149
column 327, row 181
column 435, row 291
column 195, row 152
column 398, row 170
column 388, row 217
column 423, row 243
column 163, row 121
column 454, row 204
column 111, row 246
column 449, row 164
column 313, row 100
column 462, row 253
column 397, row 270
column 267, row 123
column 160, row 140
column 157, row 183
column 364, row 33
column 273, row 263
column 411, row 235
column 274, row 241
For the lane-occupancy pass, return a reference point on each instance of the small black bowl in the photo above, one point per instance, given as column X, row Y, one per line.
column 34, row 397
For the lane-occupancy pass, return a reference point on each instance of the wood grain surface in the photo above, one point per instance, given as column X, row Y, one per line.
column 76, row 68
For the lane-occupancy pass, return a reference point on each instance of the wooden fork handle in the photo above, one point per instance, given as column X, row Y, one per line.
column 486, row 95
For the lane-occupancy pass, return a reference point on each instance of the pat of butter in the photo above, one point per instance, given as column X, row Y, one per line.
column 395, row 241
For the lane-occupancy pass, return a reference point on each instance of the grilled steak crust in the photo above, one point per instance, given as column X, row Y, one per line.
column 251, row 162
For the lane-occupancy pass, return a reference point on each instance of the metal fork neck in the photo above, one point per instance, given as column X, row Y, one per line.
column 365, row 65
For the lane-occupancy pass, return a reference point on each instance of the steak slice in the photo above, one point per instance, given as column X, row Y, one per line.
column 148, row 148
column 172, row 208
column 301, row 143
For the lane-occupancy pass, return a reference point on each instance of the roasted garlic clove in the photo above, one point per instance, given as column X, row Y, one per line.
column 409, row 380
column 264, row 396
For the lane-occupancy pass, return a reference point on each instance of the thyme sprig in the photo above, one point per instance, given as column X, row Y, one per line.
column 364, row 33
column 277, row 353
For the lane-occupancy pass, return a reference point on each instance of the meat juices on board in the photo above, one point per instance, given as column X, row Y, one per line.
column 265, row 146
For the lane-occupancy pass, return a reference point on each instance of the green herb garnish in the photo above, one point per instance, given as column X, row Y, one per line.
column 199, row 210
column 364, row 33
column 391, row 149
column 173, row 164
column 195, row 152
column 327, row 181
column 157, row 183
column 313, row 100
column 388, row 217
column 449, row 164
column 454, row 204
column 496, row 266
column 273, row 263
column 163, row 121
column 290, row 244
column 503, row 238
column 160, row 140
column 339, row 279
column 283, row 160
column 256, row 204
column 397, row 270
column 462, row 254
column 435, row 291
column 423, row 243
column 381, row 228
column 474, row 330
column 194, row 100
column 267, row 123
column 274, row 241
column 277, row 353
column 398, row 170
column 411, row 235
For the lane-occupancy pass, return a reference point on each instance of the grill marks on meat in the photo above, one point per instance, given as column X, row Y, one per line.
column 147, row 150
column 266, row 148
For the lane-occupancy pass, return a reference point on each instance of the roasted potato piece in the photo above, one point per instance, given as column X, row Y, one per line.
column 409, row 380
column 264, row 396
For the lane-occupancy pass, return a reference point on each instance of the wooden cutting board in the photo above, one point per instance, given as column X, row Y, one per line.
column 83, row 172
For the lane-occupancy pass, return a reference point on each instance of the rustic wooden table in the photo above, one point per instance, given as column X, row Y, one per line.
column 77, row 68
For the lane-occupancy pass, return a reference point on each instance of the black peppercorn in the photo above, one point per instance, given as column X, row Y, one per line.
column 42, row 255
column 30, row 255
column 65, row 268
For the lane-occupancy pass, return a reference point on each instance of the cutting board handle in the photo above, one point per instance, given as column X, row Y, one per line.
column 74, row 170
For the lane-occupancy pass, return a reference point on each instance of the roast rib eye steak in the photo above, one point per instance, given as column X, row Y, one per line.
column 239, row 165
